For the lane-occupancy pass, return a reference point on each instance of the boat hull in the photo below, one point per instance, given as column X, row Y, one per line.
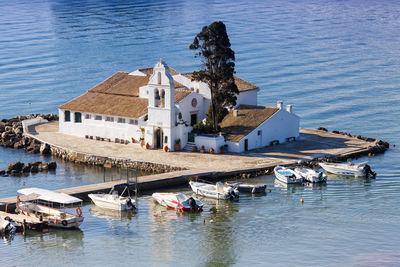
column 210, row 191
column 287, row 176
column 170, row 201
column 102, row 201
column 54, row 217
column 342, row 169
column 248, row 188
column 311, row 176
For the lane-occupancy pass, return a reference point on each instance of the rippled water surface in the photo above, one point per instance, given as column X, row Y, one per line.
column 337, row 62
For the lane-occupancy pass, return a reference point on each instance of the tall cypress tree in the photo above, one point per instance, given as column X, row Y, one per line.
column 213, row 45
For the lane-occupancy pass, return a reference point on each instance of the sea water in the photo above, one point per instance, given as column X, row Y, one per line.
column 336, row 62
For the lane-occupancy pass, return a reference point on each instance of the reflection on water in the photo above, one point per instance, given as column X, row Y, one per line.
column 111, row 214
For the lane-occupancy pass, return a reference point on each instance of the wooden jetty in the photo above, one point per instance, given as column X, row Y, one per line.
column 26, row 222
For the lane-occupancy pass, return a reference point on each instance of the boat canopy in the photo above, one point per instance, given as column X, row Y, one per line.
column 51, row 196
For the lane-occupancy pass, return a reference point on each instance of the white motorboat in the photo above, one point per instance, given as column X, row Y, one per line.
column 54, row 217
column 248, row 188
column 311, row 175
column 114, row 201
column 287, row 176
column 217, row 191
column 180, row 202
column 349, row 168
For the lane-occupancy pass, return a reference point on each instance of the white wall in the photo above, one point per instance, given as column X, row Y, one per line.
column 247, row 98
column 186, row 108
column 100, row 128
column 209, row 142
column 279, row 126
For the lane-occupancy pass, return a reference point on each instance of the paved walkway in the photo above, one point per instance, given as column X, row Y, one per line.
column 311, row 144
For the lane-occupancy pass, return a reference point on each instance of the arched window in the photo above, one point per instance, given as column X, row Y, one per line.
column 67, row 115
column 159, row 77
column 78, row 117
column 162, row 98
column 156, row 97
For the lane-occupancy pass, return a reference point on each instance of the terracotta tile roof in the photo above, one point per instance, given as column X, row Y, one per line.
column 181, row 94
column 240, row 83
column 249, row 117
column 115, row 105
column 108, row 104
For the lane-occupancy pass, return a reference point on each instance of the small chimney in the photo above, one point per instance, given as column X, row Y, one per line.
column 289, row 108
column 235, row 112
column 280, row 104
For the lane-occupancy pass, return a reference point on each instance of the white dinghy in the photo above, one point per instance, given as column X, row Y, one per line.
column 349, row 168
column 311, row 175
column 217, row 191
column 54, row 217
column 114, row 201
column 248, row 188
column 180, row 202
column 287, row 176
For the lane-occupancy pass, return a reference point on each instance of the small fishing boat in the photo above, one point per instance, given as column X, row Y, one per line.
column 54, row 217
column 248, row 188
column 287, row 176
column 180, row 202
column 311, row 175
column 114, row 201
column 217, row 191
column 349, row 168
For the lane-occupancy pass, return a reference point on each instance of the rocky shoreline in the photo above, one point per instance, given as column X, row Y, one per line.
column 12, row 135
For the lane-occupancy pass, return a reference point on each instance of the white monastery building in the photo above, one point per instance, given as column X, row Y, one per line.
column 158, row 106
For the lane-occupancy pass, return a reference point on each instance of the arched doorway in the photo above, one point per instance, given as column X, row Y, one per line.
column 158, row 138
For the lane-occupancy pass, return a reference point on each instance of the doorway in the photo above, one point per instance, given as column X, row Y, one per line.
column 159, row 134
column 193, row 119
column 246, row 144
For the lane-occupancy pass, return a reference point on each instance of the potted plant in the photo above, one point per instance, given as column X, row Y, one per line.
column 212, row 151
column 147, row 146
column 195, row 149
column 141, row 140
column 222, row 150
column 166, row 148
column 133, row 140
column 177, row 146
column 202, row 150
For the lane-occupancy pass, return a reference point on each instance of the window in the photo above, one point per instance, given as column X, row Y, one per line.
column 121, row 120
column 67, row 115
column 88, row 116
column 159, row 78
column 111, row 119
column 98, row 118
column 134, row 122
column 165, row 139
column 259, row 132
column 78, row 117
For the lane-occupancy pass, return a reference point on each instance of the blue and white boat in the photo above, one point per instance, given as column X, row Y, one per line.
column 311, row 175
column 287, row 176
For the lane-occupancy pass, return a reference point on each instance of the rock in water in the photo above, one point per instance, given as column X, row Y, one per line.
column 16, row 166
column 45, row 149
column 52, row 165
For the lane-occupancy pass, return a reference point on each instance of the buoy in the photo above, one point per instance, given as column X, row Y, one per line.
column 301, row 201
column 270, row 190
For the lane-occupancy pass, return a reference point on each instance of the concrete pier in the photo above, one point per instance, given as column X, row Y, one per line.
column 312, row 145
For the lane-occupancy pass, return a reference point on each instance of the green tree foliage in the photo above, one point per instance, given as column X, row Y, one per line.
column 213, row 45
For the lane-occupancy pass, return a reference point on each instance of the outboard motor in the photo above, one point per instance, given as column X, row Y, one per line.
column 368, row 171
column 129, row 203
column 192, row 204
column 233, row 193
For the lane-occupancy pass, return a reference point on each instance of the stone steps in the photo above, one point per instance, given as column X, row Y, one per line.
column 189, row 147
